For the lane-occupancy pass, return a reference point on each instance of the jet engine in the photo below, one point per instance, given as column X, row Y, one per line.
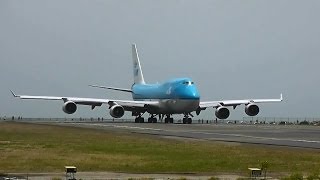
column 252, row 109
column 222, row 112
column 69, row 107
column 116, row 111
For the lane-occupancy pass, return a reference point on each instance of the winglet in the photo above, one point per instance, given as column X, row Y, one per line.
column 281, row 98
column 14, row 95
column 96, row 86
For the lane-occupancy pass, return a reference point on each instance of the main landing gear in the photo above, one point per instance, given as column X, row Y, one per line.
column 139, row 119
column 152, row 119
column 168, row 119
column 187, row 119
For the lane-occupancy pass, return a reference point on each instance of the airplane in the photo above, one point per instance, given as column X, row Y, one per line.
column 175, row 96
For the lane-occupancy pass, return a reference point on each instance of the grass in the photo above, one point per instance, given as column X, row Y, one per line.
column 30, row 147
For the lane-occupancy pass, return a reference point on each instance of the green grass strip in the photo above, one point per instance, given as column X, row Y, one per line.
column 26, row 147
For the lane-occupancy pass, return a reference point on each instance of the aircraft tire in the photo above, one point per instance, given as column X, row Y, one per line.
column 189, row 120
column 171, row 120
column 154, row 120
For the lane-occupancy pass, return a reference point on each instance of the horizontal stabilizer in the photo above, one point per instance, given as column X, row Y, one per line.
column 112, row 88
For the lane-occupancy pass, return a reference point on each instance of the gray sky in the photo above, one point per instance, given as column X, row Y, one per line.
column 232, row 50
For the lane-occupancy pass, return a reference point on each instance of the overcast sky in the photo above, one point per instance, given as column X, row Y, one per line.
column 233, row 49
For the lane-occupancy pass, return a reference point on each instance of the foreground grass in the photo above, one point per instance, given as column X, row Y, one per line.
column 28, row 147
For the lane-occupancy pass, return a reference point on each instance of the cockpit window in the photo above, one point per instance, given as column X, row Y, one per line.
column 188, row 83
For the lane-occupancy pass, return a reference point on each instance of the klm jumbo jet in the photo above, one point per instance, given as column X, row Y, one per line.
column 176, row 96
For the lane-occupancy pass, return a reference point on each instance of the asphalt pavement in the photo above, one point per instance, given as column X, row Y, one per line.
column 276, row 135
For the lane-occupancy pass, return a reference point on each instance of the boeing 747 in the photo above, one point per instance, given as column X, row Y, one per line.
column 176, row 96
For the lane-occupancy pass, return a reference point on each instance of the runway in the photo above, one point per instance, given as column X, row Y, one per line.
column 295, row 136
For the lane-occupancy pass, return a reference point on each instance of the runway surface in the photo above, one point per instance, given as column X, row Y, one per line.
column 276, row 135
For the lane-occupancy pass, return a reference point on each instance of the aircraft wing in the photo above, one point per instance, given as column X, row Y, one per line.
column 90, row 101
column 234, row 103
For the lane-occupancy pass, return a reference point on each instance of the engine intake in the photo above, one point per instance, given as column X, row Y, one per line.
column 69, row 107
column 117, row 111
column 222, row 112
column 252, row 109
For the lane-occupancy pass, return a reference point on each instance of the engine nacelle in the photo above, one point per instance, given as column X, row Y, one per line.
column 69, row 107
column 116, row 111
column 252, row 109
column 222, row 112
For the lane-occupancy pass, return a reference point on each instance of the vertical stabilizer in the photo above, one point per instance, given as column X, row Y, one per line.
column 137, row 72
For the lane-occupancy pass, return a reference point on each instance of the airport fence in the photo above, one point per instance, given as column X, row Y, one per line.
column 96, row 119
column 245, row 120
column 285, row 120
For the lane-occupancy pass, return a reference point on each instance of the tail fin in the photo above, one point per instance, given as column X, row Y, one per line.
column 137, row 72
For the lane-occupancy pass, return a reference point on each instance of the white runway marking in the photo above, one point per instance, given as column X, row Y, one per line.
column 256, row 137
column 246, row 136
column 123, row 127
column 206, row 133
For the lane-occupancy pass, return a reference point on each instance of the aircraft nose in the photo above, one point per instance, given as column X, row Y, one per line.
column 190, row 93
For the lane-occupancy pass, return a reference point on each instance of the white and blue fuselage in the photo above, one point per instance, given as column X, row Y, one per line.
column 175, row 96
